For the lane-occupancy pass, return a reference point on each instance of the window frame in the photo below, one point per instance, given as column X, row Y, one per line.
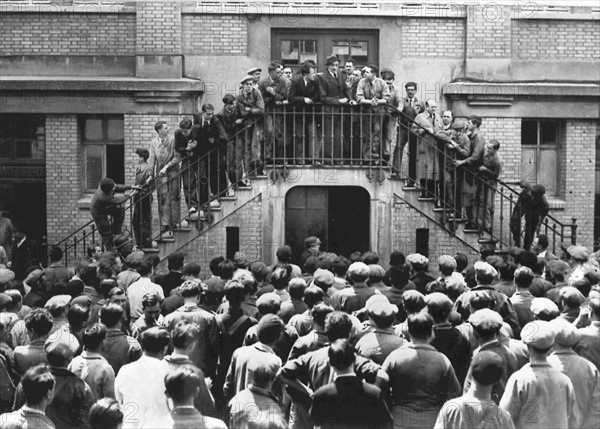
column 9, row 122
column 538, row 148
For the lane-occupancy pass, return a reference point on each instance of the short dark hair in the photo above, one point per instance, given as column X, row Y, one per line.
column 106, row 285
column 342, row 354
column 144, row 268
column 39, row 321
column 150, row 299
column 228, row 99
column 420, row 325
column 340, row 266
column 281, row 275
column 337, row 325
column 106, row 414
column 207, row 106
column 399, row 276
column 175, row 260
column 296, row 288
column 159, row 125
column 370, row 258
column 107, row 184
column 312, row 295
column 495, row 144
column 305, row 69
column 226, row 269
column 55, row 254
column 184, row 334
column 143, row 153
column 111, row 314
column 543, row 241
column 523, row 277
column 475, row 120
column 88, row 275
column 272, row 67
column 373, row 67
column 410, row 84
column 319, row 312
column 507, row 270
column 190, row 289
column 78, row 315
column 181, row 383
column 461, row 261
column 36, row 383
column 213, row 265
column 191, row 269
column 388, row 74
column 93, row 336
column 349, row 60
column 234, row 292
column 155, row 339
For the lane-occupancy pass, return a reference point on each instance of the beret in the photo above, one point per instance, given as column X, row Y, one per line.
column 376, row 270
column 538, row 189
column 458, row 125
column 572, row 296
column 578, row 252
column 359, row 268
column 5, row 300
column 253, row 70
column 57, row 302
column 543, row 305
column 538, row 333
column 246, row 79
column 6, row 275
column 566, row 333
column 323, row 277
column 487, row 367
column 63, row 343
column 258, row 268
column 417, row 259
column 447, row 261
column 311, row 241
column 268, row 299
column 485, row 269
column 486, row 318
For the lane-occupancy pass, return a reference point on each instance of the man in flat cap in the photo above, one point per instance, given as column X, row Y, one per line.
column 476, row 406
column 254, row 72
column 382, row 340
column 333, row 93
column 420, row 267
column 521, row 300
column 544, row 309
column 533, row 205
column 486, row 326
column 250, row 107
column 570, row 303
column 538, row 395
column 583, row 374
column 589, row 345
column 312, row 247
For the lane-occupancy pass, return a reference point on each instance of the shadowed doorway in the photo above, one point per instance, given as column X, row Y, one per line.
column 338, row 215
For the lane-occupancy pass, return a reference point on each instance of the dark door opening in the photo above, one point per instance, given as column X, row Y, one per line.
column 338, row 215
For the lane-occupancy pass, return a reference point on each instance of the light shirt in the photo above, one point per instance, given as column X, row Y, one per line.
column 136, row 292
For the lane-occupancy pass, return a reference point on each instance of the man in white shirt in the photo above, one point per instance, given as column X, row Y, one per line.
column 141, row 287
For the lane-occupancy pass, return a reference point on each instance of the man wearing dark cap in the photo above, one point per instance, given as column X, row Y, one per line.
column 312, row 245
column 533, row 205
column 476, row 405
column 538, row 395
column 333, row 92
column 105, row 204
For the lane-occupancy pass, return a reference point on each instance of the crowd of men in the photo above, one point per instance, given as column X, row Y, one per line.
column 340, row 116
column 505, row 341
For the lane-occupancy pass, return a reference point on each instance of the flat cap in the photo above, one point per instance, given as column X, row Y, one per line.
column 83, row 300
column 311, row 241
column 323, row 277
column 381, row 308
column 486, row 319
column 417, row 259
column 438, row 300
column 572, row 296
column 483, row 268
column 578, row 252
column 544, row 307
column 215, row 285
column 447, row 261
column 246, row 79
column 63, row 343
column 373, row 299
column 253, row 70
column 455, row 282
column 359, row 269
column 34, row 276
column 538, row 333
column 487, row 367
column 269, row 299
column 566, row 334
column 538, row 190
column 376, row 271
column 57, row 302
column 6, row 275
column 458, row 125
column 331, row 59
column 269, row 321
column 259, row 269
column 137, row 256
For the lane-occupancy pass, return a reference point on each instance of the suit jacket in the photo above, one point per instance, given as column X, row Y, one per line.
column 301, row 90
column 409, row 110
column 349, row 401
column 169, row 281
column 332, row 89
column 23, row 257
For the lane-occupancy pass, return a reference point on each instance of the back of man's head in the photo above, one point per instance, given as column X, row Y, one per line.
column 420, row 326
column 55, row 254
column 155, row 339
column 36, row 383
column 338, row 325
column 191, row 269
column 144, row 268
column 110, row 315
column 523, row 277
column 342, row 354
column 182, row 384
column 184, row 334
column 39, row 321
column 93, row 336
column 312, row 295
column 175, row 261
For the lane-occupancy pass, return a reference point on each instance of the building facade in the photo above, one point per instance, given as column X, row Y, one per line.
column 82, row 84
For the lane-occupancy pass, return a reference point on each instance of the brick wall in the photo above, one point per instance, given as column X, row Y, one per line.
column 212, row 243
column 580, row 156
column 432, row 37
column 64, row 176
column 158, row 29
column 215, row 34
column 556, row 40
column 508, row 132
column 407, row 220
column 67, row 34
column 488, row 31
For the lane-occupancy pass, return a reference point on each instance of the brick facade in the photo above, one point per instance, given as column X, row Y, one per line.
column 215, row 34
column 508, row 132
column 432, row 37
column 158, row 29
column 488, row 31
column 556, row 40
column 68, row 34
column 248, row 218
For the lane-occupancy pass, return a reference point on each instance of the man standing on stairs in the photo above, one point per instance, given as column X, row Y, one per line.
column 164, row 161
column 489, row 171
column 405, row 135
column 186, row 145
column 426, row 125
column 472, row 162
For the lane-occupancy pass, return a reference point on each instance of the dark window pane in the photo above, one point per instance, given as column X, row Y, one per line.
column 116, row 129
column 6, row 148
column 115, row 162
column 23, row 148
column 548, row 132
column 94, row 166
column 93, row 129
column 529, row 133
column 290, row 54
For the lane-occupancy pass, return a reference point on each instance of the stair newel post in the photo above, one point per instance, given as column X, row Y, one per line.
column 511, row 204
column 554, row 235
column 501, row 217
column 574, row 231
column 93, row 233
column 75, row 247
column 84, row 241
column 66, row 253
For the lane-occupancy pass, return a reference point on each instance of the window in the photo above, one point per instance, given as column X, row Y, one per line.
column 293, row 47
column 540, row 153
column 22, row 137
column 103, row 149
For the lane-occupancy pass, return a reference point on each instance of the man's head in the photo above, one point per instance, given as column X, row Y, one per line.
column 540, row 243
column 447, row 117
column 234, row 293
column 523, row 277
column 431, row 106
column 93, row 337
column 342, row 355
column 38, row 322
column 175, row 261
column 420, row 326
column 358, row 272
column 162, row 129
column 55, row 254
column 274, row 71
column 349, row 66
column 370, row 72
column 78, row 316
column 184, row 336
column 155, row 340
column 473, row 122
column 151, row 307
column 332, row 63
column 492, row 146
column 38, row 385
column 208, row 111
column 106, row 413
column 486, row 324
column 111, row 315
column 107, row 185
column 388, row 76
column 411, row 89
column 254, row 72
column 229, row 103
column 287, row 72
column 185, row 126
column 308, row 71
column 269, row 329
column 142, row 155
column 182, row 385
column 337, row 325
column 487, row 367
column 58, row 305
column 248, row 83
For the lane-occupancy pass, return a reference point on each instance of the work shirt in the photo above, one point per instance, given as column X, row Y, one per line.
column 468, row 412
column 120, row 349
column 95, row 370
column 378, row 345
column 252, row 403
column 589, row 345
column 521, row 301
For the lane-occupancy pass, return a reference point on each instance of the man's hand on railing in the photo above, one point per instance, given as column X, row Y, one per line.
column 191, row 145
column 239, row 121
column 458, row 163
column 307, row 100
column 343, row 100
column 352, row 102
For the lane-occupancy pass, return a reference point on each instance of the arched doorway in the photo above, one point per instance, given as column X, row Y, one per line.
column 338, row 215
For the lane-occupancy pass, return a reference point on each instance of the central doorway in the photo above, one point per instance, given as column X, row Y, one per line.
column 338, row 215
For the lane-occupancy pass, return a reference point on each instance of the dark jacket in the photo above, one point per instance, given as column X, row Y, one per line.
column 301, row 90
column 104, row 204
column 332, row 89
column 23, row 257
